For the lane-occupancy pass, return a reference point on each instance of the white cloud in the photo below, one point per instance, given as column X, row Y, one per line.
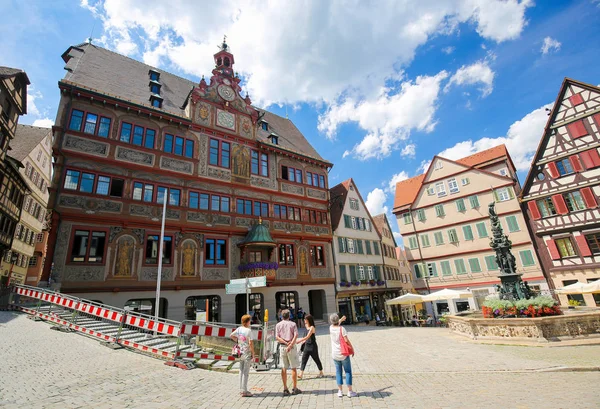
column 388, row 119
column 398, row 177
column 32, row 96
column 550, row 45
column 448, row 50
column 409, row 150
column 476, row 73
column 376, row 202
column 424, row 166
column 43, row 123
column 522, row 139
column 310, row 51
column 399, row 239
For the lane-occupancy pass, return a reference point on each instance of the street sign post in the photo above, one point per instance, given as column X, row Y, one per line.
column 243, row 285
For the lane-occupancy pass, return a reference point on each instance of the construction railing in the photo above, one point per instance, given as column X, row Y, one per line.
column 160, row 337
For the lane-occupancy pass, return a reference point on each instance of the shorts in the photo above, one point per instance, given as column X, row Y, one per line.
column 288, row 359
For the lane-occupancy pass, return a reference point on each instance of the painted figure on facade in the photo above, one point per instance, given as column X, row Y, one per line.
column 241, row 161
column 303, row 263
column 188, row 260
column 511, row 287
column 124, row 257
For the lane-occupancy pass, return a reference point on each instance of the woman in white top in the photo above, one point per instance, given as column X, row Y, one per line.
column 243, row 336
column 342, row 363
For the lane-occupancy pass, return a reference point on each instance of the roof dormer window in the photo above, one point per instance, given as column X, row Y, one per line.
column 274, row 139
column 264, row 125
column 154, row 87
column 154, row 75
column 156, row 101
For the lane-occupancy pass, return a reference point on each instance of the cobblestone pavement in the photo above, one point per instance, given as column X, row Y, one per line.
column 394, row 368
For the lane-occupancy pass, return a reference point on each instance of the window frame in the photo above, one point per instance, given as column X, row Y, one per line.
column 144, row 135
column 569, row 201
column 94, row 189
column 217, row 242
column 572, row 247
column 184, row 144
column 455, row 189
column 293, row 171
column 83, row 123
column 314, row 255
column 89, row 230
column 262, row 163
column 521, row 252
column 289, row 251
column 220, row 151
column 165, row 239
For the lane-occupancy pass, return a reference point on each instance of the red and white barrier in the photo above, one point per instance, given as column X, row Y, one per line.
column 98, row 311
column 151, row 325
column 208, row 330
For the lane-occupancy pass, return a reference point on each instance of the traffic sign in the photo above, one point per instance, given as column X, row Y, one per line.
column 235, row 289
column 253, row 282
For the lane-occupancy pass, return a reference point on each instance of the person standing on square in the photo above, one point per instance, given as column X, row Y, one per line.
column 342, row 363
column 286, row 333
column 311, row 349
column 243, row 336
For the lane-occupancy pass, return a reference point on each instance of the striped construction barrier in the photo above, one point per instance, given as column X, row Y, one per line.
column 215, row 357
column 208, row 330
column 152, row 325
column 99, row 312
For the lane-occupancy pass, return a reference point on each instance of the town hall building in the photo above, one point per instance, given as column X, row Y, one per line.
column 247, row 195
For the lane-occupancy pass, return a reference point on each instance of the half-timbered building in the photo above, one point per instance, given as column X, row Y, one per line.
column 560, row 194
column 246, row 193
column 444, row 221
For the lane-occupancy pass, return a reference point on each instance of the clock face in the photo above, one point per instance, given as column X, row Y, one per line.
column 225, row 119
column 226, row 92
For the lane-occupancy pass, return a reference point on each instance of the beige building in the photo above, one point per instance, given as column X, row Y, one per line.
column 32, row 147
column 407, row 311
column 360, row 280
column 443, row 218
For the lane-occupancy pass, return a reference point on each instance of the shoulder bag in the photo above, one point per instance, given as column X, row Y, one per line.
column 345, row 348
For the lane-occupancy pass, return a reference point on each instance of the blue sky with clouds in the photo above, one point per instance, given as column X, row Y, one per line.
column 378, row 87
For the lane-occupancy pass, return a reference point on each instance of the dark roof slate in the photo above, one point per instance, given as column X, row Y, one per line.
column 26, row 139
column 106, row 72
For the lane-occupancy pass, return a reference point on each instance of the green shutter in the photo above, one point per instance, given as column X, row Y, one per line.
column 474, row 265
column 412, row 244
column 474, row 202
column 343, row 273
column 446, row 270
column 481, row 230
column 452, row 236
column 468, row 232
column 439, row 210
column 527, row 258
column 407, row 218
column 439, row 238
column 352, row 272
column 368, row 246
column 347, row 221
column 376, row 246
column 341, row 247
column 418, row 270
column 421, row 215
column 496, row 196
column 376, row 273
column 490, row 263
column 511, row 194
column 460, row 205
column 433, row 269
column 513, row 226
column 460, row 266
column 360, row 246
column 425, row 240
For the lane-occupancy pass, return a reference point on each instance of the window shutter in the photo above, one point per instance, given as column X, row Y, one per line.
column 434, row 270
column 577, row 129
column 376, row 247
column 360, row 246
column 376, row 273
column 368, row 246
column 352, row 273
column 510, row 192
column 588, row 197
column 533, row 209
column 341, row 244
column 343, row 276
column 591, row 158
column 584, row 249
column 553, row 170
column 559, row 203
column 347, row 221
column 575, row 163
column 552, row 249
column 496, row 199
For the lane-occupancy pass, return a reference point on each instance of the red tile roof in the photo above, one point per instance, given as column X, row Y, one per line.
column 407, row 190
column 337, row 199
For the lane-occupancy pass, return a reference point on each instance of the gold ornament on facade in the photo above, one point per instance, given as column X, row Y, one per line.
column 203, row 112
column 303, row 262
column 241, row 161
column 124, row 257
column 188, row 268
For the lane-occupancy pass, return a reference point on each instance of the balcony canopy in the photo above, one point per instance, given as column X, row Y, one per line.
column 258, row 236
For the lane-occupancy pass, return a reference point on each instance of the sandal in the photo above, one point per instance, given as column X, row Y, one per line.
column 246, row 395
column 296, row 391
column 286, row 392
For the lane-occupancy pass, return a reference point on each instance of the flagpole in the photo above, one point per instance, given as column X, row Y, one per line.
column 160, row 260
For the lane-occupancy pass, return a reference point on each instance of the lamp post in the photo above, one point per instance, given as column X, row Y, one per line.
column 160, row 258
column 427, row 277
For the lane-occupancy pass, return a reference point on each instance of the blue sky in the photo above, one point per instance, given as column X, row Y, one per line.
column 378, row 88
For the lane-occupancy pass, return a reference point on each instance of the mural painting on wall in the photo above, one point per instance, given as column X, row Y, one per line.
column 124, row 258
column 188, row 268
column 303, row 261
column 241, row 164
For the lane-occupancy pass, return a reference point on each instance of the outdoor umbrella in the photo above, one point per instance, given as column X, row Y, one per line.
column 575, row 288
column 593, row 287
column 447, row 294
column 408, row 298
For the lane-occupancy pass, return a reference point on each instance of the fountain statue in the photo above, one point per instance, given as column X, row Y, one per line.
column 511, row 286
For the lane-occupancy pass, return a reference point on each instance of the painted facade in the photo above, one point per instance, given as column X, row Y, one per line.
column 361, row 282
column 560, row 194
column 13, row 187
column 443, row 218
column 123, row 145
